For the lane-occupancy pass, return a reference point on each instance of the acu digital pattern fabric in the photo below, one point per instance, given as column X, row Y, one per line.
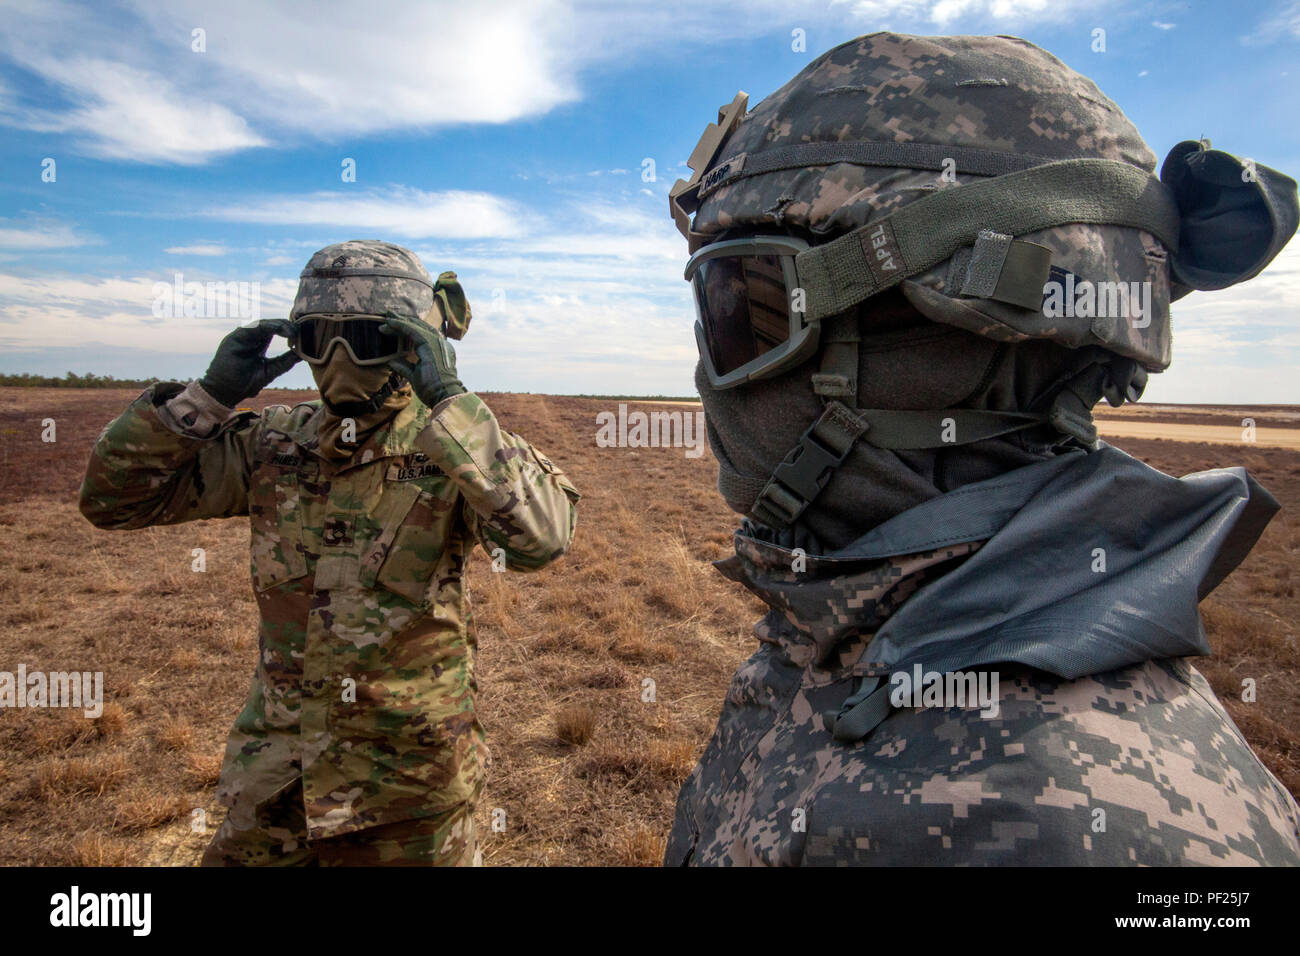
column 1130, row 763
column 363, row 696
column 1136, row 766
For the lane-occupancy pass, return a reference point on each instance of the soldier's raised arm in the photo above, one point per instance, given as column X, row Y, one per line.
column 518, row 501
column 177, row 453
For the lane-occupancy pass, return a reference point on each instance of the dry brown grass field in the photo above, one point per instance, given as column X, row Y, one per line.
column 585, row 770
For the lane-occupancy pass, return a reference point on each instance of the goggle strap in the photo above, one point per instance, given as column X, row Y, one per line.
column 810, row 465
column 839, row 274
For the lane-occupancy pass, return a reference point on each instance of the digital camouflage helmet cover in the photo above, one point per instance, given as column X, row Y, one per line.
column 887, row 122
column 371, row 277
column 999, row 191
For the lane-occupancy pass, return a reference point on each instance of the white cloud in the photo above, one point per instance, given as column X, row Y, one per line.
column 1240, row 344
column 202, row 249
column 52, row 311
column 394, row 210
column 944, row 13
column 1247, row 316
column 336, row 68
column 594, row 304
column 1218, row 383
column 136, row 90
column 1163, row 26
column 126, row 113
column 274, row 73
column 40, row 235
column 1282, row 24
column 591, row 300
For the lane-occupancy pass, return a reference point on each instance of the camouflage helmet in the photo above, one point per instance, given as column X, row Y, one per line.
column 884, row 121
column 371, row 277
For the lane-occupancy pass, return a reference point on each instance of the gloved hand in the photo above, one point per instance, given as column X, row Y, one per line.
column 434, row 375
column 240, row 369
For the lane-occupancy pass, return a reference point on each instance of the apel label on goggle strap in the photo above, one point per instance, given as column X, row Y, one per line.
column 881, row 250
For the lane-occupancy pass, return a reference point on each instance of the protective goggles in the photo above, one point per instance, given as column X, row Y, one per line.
column 750, row 309
column 366, row 339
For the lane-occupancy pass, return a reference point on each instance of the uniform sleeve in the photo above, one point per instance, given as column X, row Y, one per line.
column 174, row 455
column 517, row 500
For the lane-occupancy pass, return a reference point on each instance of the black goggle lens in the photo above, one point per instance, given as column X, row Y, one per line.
column 743, row 304
column 368, row 339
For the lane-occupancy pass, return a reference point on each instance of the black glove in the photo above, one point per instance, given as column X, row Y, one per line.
column 434, row 376
column 240, row 369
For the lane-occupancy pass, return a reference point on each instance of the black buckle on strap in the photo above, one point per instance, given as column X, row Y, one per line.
column 807, row 469
column 364, row 406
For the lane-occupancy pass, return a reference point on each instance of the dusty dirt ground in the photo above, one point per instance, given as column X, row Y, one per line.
column 1213, row 434
column 564, row 653
column 1265, row 426
column 1269, row 427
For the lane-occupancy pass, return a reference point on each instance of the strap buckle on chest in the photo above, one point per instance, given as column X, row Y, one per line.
column 807, row 469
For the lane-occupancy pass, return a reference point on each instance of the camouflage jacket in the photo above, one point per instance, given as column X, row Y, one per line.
column 364, row 685
column 1075, row 582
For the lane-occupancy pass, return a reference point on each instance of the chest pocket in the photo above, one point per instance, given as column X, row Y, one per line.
column 275, row 512
column 415, row 525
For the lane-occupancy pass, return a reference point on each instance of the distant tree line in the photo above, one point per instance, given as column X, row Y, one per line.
column 639, row 398
column 72, row 380
column 91, row 380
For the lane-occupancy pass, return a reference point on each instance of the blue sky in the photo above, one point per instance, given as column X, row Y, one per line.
column 509, row 142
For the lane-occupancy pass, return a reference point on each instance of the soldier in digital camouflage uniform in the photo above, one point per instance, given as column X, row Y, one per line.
column 358, row 743
column 923, row 486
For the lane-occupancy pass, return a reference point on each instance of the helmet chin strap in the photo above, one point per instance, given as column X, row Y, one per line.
column 359, row 408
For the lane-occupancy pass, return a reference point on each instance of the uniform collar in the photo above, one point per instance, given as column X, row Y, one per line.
column 393, row 438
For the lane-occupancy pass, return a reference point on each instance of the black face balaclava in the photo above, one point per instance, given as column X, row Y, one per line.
column 905, row 362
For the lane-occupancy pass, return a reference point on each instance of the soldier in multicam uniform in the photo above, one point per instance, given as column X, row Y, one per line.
column 901, row 408
column 358, row 743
